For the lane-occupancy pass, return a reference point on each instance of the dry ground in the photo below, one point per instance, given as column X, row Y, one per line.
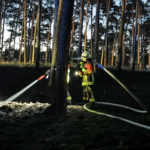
column 27, row 127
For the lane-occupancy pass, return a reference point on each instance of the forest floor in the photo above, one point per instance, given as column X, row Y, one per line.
column 25, row 125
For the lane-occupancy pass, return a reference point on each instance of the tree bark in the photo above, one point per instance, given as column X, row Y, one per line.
column 149, row 56
column 34, row 42
column 96, row 31
column 63, row 50
column 3, row 28
column 106, row 35
column 47, row 46
column 86, row 26
column 138, row 42
column 0, row 23
column 135, row 38
column 20, row 47
column 32, row 31
column 121, row 37
column 80, row 28
column 38, row 34
column 25, row 26
column 91, row 41
column 56, row 40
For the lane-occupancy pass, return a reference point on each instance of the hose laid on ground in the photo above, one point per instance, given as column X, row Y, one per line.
column 116, row 117
column 122, row 106
column 119, row 105
column 123, row 86
column 10, row 99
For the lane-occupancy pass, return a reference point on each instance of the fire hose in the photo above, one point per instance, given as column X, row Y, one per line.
column 119, row 105
column 10, row 99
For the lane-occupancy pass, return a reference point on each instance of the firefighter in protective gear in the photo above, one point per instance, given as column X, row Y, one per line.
column 87, row 75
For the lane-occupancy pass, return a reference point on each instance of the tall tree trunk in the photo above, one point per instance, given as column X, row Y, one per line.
column 131, row 53
column 91, row 41
column 15, row 35
column 3, row 28
column 32, row 31
column 38, row 34
column 55, row 21
column 9, row 48
column 142, row 52
column 0, row 23
column 123, row 41
column 96, row 31
column 106, row 35
column 56, row 39
column 124, row 46
column 28, row 32
column 25, row 26
column 59, row 5
column 113, row 50
column 138, row 42
column 72, row 33
column 47, row 47
column 48, row 52
column 34, row 42
column 135, row 38
column 86, row 26
column 63, row 48
column 121, row 36
column 80, row 28
column 20, row 46
column 73, row 29
column 149, row 56
column 123, row 49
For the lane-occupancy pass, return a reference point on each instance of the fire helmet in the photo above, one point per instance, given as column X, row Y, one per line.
column 86, row 55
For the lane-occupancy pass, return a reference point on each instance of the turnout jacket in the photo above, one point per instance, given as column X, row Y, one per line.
column 86, row 73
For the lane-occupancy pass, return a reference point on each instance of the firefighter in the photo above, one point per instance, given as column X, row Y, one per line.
column 87, row 75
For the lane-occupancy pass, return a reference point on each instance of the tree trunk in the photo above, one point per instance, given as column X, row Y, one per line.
column 47, row 47
column 106, row 35
column 149, row 56
column 96, row 31
column 138, row 42
column 34, row 42
column 9, row 48
column 121, row 37
column 55, row 21
column 80, row 28
column 25, row 26
column 32, row 30
column 135, row 38
column 72, row 33
column 56, row 40
column 0, row 24
column 131, row 53
column 91, row 41
column 38, row 34
column 63, row 47
column 20, row 47
column 15, row 35
column 123, row 42
column 123, row 49
column 87, row 20
column 113, row 50
column 3, row 28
